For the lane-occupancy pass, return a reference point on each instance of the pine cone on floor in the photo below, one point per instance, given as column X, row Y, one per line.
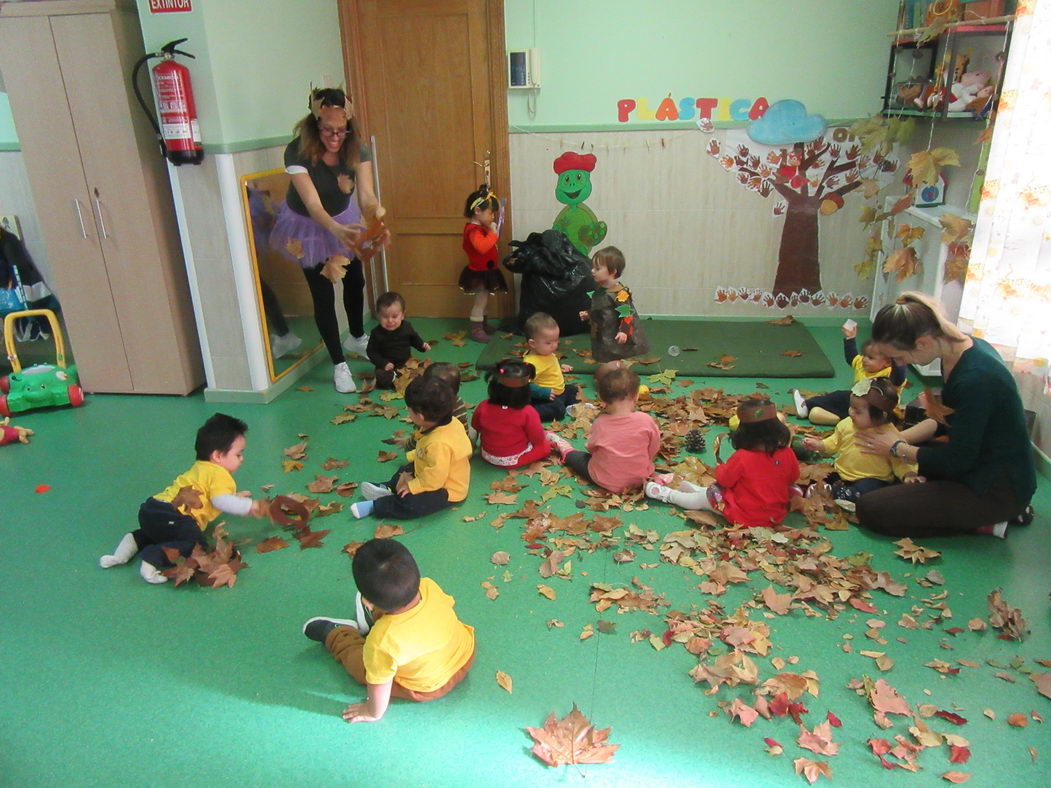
column 694, row 441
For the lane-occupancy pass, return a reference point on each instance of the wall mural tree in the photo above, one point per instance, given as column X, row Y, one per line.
column 812, row 178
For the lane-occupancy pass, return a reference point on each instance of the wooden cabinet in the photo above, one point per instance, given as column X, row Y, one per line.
column 102, row 194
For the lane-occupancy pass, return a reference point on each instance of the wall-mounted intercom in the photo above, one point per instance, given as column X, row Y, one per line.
column 523, row 69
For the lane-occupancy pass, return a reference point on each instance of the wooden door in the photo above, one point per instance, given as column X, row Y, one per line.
column 427, row 77
column 49, row 142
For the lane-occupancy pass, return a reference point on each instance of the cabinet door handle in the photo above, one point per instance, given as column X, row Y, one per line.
column 102, row 222
column 80, row 217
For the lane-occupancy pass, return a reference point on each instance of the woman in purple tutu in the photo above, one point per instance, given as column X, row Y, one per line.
column 321, row 227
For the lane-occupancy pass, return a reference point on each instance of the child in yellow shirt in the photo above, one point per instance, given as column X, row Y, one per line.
column 872, row 403
column 550, row 393
column 178, row 515
column 438, row 471
column 406, row 642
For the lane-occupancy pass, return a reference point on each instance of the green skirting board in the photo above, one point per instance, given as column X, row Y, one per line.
column 758, row 346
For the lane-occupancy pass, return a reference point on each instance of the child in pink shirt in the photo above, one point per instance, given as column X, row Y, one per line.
column 623, row 441
column 508, row 426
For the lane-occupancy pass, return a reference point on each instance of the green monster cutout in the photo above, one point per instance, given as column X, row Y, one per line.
column 576, row 220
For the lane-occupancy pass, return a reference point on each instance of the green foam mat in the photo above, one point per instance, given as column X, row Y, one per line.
column 758, row 348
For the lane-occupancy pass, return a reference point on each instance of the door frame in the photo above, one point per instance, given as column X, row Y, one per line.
column 500, row 153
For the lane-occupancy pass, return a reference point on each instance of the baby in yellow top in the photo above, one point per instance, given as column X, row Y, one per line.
column 550, row 393
column 872, row 404
column 177, row 516
column 438, row 471
column 406, row 641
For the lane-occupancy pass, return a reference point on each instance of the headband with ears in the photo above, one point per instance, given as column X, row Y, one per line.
column 868, row 390
column 750, row 414
column 315, row 103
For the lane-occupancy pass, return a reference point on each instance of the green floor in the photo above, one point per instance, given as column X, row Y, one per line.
column 109, row 681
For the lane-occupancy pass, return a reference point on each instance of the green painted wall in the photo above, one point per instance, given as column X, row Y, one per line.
column 255, row 62
column 829, row 54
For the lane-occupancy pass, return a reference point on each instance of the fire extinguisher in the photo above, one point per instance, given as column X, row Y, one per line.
column 178, row 134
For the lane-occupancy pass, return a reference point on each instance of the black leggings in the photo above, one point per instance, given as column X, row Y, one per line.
column 323, row 293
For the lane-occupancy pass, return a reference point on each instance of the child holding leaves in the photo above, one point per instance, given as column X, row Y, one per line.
column 616, row 330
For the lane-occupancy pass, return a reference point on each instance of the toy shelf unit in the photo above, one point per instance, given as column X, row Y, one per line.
column 930, row 276
column 924, row 74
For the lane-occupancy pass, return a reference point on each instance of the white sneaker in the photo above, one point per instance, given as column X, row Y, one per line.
column 343, row 379
column 356, row 345
column 658, row 491
column 580, row 407
column 370, row 491
column 800, row 402
column 284, row 344
column 151, row 574
column 1000, row 530
column 364, row 621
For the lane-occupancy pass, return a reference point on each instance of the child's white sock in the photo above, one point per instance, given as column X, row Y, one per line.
column 123, row 553
column 361, row 508
column 151, row 574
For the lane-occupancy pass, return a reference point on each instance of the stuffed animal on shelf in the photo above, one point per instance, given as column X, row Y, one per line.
column 972, row 91
column 12, row 434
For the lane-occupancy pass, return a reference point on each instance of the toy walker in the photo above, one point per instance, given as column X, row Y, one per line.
column 42, row 385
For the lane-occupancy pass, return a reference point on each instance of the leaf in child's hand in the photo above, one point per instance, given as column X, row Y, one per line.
column 322, row 484
column 271, row 544
column 571, row 740
column 308, row 538
column 504, row 681
column 297, row 452
column 501, row 498
column 188, row 497
column 386, row 456
column 387, row 531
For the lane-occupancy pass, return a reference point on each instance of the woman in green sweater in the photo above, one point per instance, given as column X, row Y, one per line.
column 983, row 477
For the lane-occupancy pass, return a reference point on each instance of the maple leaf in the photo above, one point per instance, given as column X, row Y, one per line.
column 504, row 681
column 743, row 712
column 954, row 227
column 289, row 512
column 571, row 740
column 343, row 418
column 903, row 263
column 779, row 603
column 909, row 234
column 1042, row 682
column 792, row 353
column 924, row 166
column 386, row 456
column 546, row 591
column 322, row 484
column 914, row 552
column 308, row 538
column 811, row 770
column 271, row 544
column 1005, row 618
column 332, row 463
column 351, row 548
column 818, row 740
column 956, row 777
column 885, row 699
column 346, row 489
column 386, row 531
column 187, row 497
column 787, row 320
column 291, row 465
column 500, row 558
column 498, row 497
column 725, row 361
column 297, row 452
column 491, row 591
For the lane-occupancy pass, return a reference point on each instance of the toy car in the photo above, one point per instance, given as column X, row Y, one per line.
column 42, row 385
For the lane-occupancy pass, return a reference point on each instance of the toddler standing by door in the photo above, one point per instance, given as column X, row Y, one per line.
column 480, row 276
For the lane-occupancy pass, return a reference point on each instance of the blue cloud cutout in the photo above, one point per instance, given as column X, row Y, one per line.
column 786, row 122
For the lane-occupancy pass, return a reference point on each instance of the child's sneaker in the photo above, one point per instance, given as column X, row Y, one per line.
column 715, row 497
column 342, row 379
column 795, row 491
column 562, row 446
column 800, row 402
column 579, row 408
column 284, row 344
column 823, row 489
column 845, row 497
column 319, row 628
column 658, row 491
column 999, row 530
column 365, row 619
column 1025, row 518
column 478, row 332
column 151, row 574
column 370, row 491
column 356, row 345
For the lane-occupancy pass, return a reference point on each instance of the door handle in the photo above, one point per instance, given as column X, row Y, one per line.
column 80, row 217
column 98, row 210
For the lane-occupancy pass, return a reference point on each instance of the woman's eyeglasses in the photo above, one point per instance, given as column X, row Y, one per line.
column 334, row 132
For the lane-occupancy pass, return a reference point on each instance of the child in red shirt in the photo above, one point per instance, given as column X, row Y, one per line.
column 508, row 426
column 623, row 441
column 481, row 238
column 754, row 486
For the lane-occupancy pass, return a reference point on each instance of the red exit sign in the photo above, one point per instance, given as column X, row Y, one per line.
column 170, row 6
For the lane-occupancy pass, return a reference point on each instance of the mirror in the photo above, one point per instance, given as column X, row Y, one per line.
column 284, row 298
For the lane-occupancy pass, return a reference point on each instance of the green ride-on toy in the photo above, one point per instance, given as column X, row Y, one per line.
column 41, row 385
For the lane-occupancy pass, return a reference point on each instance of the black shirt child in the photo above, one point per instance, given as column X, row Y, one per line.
column 393, row 347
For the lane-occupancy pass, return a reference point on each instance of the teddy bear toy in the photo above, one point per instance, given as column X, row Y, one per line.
column 972, row 91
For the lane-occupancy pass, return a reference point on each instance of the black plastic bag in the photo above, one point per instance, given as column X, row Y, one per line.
column 556, row 279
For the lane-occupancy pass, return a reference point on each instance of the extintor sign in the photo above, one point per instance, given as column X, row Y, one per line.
column 170, row 6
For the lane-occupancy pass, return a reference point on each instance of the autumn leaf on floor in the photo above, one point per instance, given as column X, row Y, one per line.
column 911, row 551
column 508, row 484
column 187, row 499
column 811, row 770
column 725, row 362
column 818, row 740
column 664, row 378
column 291, row 465
column 350, row 548
column 787, row 320
column 304, row 388
column 779, row 603
column 556, row 489
column 571, row 740
column 792, row 353
column 546, row 591
column 886, row 700
column 956, row 777
column 903, row 263
column 742, row 711
column 500, row 558
column 491, row 591
column 308, row 538
column 1005, row 618
column 473, row 517
column 332, row 463
column 322, row 484
column 346, row 489
column 386, row 456
column 498, row 498
column 271, row 544
column 504, row 681
column 386, row 531
column 297, row 452
column 343, row 418
column 1042, row 682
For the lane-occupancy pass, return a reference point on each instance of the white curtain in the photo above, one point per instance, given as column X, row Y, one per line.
column 1007, row 294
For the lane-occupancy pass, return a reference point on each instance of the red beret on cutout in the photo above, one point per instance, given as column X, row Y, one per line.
column 574, row 161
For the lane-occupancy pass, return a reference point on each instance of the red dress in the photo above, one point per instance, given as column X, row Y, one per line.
column 510, row 437
column 755, row 485
column 481, row 245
